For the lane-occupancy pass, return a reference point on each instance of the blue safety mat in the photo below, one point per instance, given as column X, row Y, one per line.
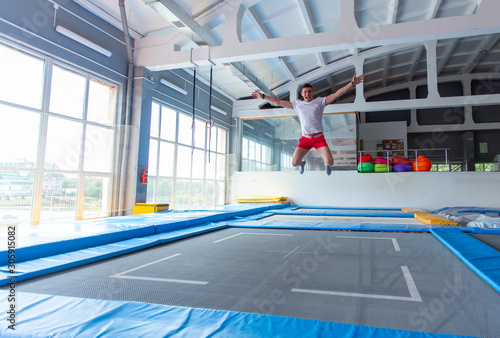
column 480, row 257
column 348, row 208
column 59, row 316
column 355, row 226
column 39, row 241
column 476, row 230
column 349, row 213
column 45, row 265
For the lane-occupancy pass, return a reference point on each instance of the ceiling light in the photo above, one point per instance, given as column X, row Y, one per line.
column 173, row 86
column 218, row 110
column 82, row 40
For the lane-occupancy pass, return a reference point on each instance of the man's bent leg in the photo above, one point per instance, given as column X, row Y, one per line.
column 327, row 157
column 298, row 155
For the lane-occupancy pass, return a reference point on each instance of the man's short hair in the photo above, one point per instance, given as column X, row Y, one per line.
column 305, row 85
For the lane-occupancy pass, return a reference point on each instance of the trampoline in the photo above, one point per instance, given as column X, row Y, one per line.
column 247, row 280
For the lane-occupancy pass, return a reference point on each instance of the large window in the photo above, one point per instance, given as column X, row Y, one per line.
column 187, row 168
column 57, row 131
column 255, row 156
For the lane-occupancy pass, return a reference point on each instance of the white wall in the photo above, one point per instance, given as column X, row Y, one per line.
column 427, row 190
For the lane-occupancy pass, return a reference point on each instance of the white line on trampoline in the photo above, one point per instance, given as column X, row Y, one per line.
column 183, row 281
column 394, row 240
column 251, row 233
column 291, row 252
column 414, row 294
column 168, row 280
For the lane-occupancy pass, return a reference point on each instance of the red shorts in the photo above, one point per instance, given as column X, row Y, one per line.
column 316, row 142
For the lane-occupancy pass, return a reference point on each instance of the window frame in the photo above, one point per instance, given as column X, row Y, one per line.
column 210, row 184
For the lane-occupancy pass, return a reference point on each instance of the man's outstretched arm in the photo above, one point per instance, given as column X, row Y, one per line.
column 273, row 100
column 355, row 80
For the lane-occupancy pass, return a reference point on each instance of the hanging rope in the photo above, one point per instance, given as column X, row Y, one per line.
column 210, row 122
column 194, row 100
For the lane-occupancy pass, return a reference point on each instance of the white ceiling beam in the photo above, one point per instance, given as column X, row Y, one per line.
column 483, row 49
column 393, row 11
column 432, row 12
column 446, row 55
column 306, row 15
column 346, row 37
column 264, row 34
column 175, row 14
column 385, row 73
column 381, row 106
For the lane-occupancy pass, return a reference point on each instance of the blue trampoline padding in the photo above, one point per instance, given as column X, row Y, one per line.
column 46, row 265
column 469, row 210
column 480, row 257
column 269, row 224
column 53, row 239
column 476, row 230
column 347, row 208
column 59, row 316
column 93, row 236
column 344, row 213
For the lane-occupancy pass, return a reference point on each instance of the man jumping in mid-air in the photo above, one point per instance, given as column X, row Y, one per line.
column 310, row 112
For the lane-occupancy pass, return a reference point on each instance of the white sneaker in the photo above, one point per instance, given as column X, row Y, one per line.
column 301, row 167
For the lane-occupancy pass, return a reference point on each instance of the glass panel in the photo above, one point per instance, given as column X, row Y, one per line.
column 16, row 189
column 198, row 163
column 166, row 165
column 199, row 134
column 168, row 124
column 164, row 191
column 212, row 139
column 153, row 158
column 24, row 138
column 67, row 94
column 98, row 149
column 185, row 130
column 221, row 193
column 64, row 140
column 251, row 150
column 210, row 174
column 245, row 165
column 22, row 77
column 181, row 194
column 209, row 194
column 196, row 194
column 244, row 148
column 96, row 197
column 258, row 152
column 154, row 130
column 59, row 197
column 221, row 140
column 183, row 162
column 221, row 167
column 151, row 189
column 101, row 102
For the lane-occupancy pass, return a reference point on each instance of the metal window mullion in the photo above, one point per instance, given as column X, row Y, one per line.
column 160, row 115
column 80, row 196
column 36, row 204
column 176, row 146
column 204, row 184
column 155, row 193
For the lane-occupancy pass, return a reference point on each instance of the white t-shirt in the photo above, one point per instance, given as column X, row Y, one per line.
column 310, row 114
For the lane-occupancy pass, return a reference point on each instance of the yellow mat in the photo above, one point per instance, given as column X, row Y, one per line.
column 433, row 219
column 264, row 200
column 412, row 210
